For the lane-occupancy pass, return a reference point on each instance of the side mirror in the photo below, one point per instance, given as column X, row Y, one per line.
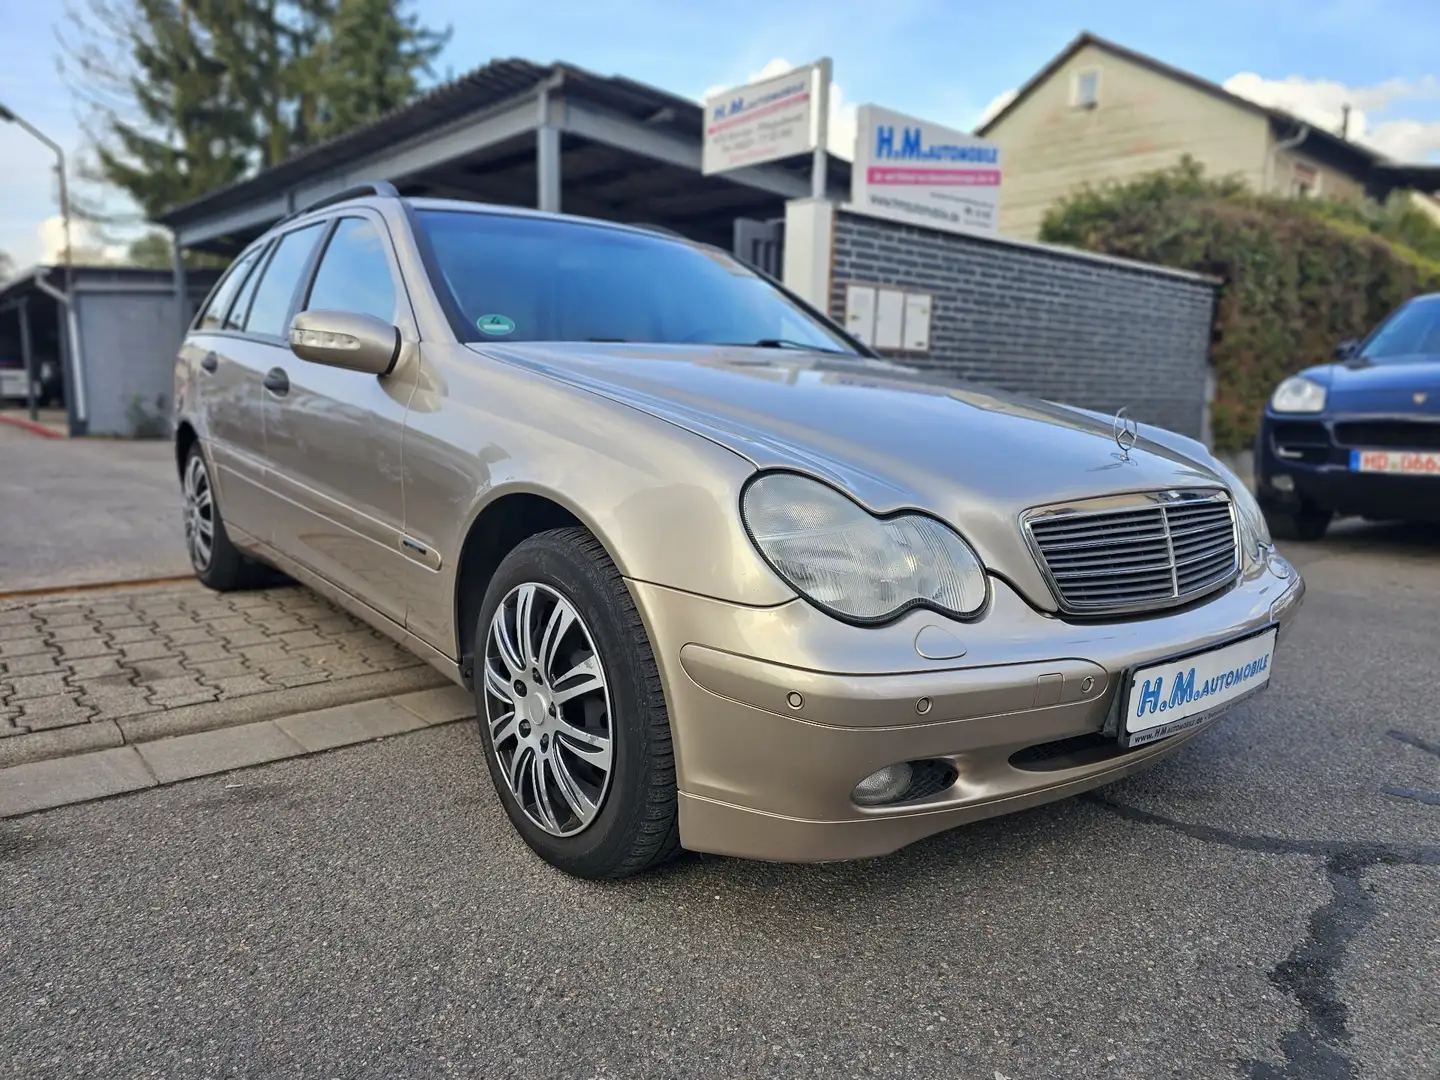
column 1346, row 349
column 344, row 339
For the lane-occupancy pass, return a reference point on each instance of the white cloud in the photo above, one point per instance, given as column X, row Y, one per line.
column 998, row 102
column 841, row 136
column 1406, row 140
column 1321, row 102
column 88, row 248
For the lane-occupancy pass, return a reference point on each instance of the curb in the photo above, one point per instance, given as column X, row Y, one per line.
column 38, row 746
column 95, row 586
column 101, row 774
column 32, row 427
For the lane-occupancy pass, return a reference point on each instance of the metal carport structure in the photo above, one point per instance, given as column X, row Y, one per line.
column 513, row 132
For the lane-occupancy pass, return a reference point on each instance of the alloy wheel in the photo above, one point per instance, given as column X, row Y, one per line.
column 547, row 706
column 199, row 513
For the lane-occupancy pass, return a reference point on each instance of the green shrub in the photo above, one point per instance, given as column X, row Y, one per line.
column 1297, row 278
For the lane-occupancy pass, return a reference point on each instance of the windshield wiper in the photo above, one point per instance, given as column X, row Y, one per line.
column 782, row 343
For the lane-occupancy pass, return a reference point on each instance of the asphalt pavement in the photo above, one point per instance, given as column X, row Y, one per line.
column 1264, row 905
column 83, row 511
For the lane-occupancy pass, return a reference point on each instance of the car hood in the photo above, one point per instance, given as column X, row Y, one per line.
column 1387, row 387
column 892, row 437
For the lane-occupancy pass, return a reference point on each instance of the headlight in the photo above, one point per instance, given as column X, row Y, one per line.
column 856, row 565
column 1298, row 395
column 1254, row 532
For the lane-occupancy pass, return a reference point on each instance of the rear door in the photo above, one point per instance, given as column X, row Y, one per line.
column 229, row 398
column 334, row 436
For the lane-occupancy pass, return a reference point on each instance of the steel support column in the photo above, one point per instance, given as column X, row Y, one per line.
column 547, row 160
column 182, row 294
column 28, row 357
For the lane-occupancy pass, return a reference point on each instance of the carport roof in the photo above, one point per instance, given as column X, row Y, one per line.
column 487, row 87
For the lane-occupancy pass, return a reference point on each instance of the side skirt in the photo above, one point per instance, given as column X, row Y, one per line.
column 355, row 606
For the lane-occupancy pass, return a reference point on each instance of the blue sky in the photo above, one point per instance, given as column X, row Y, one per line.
column 945, row 60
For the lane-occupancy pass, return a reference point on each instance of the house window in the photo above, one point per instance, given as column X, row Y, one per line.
column 1085, row 89
column 1304, row 181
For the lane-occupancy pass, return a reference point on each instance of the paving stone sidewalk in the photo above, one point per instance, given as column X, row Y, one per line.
column 86, row 671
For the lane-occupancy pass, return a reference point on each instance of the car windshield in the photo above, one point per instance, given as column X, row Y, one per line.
column 1413, row 332
column 519, row 278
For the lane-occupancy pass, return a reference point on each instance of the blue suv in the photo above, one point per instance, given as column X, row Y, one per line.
column 1358, row 436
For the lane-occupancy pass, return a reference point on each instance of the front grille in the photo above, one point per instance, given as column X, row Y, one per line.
column 1389, row 435
column 1159, row 551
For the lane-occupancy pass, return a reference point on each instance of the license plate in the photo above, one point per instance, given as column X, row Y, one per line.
column 1167, row 698
column 1409, row 462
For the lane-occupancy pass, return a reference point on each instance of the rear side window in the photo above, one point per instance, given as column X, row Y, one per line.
column 220, row 302
column 270, row 305
column 236, row 319
column 354, row 273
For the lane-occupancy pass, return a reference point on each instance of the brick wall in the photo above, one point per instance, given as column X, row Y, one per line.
column 1061, row 325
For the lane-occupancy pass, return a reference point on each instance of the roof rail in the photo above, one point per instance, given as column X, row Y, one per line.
column 652, row 227
column 358, row 191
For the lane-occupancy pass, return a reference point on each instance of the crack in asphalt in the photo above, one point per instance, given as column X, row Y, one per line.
column 1316, row 1050
column 1415, row 741
column 1429, row 798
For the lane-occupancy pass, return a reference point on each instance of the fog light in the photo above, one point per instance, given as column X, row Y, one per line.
column 1283, row 483
column 883, row 785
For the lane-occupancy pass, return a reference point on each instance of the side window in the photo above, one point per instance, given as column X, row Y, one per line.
column 354, row 273
column 271, row 303
column 236, row 319
column 220, row 301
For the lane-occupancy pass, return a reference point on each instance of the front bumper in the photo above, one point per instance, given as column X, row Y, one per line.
column 769, row 750
column 1304, row 464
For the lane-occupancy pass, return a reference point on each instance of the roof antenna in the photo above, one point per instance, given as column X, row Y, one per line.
column 1345, row 122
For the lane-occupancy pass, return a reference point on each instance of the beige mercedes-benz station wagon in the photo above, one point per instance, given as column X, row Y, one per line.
column 720, row 578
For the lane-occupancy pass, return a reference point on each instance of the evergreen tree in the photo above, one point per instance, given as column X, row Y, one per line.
column 185, row 96
column 164, row 116
column 374, row 58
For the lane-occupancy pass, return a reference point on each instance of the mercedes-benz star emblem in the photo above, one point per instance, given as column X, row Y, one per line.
column 1126, row 432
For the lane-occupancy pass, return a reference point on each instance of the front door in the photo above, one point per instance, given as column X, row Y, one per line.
column 333, row 437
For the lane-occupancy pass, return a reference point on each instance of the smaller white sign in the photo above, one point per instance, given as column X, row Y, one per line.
column 860, row 312
column 765, row 121
column 915, row 171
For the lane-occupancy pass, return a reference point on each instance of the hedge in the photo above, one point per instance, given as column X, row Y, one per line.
column 1298, row 278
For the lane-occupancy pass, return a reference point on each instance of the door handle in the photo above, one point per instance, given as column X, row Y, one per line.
column 211, row 362
column 277, row 382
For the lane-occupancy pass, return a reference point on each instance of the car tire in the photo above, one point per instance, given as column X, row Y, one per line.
column 1305, row 524
column 554, row 735
column 221, row 566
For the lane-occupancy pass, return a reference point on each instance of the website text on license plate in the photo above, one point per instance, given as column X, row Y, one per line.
column 1410, row 462
column 1169, row 697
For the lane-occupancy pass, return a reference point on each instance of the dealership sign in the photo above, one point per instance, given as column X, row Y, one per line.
column 764, row 121
column 914, row 171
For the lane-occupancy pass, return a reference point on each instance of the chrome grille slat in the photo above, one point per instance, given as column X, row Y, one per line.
column 1165, row 549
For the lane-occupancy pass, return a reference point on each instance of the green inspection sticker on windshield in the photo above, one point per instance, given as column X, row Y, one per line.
column 496, row 325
